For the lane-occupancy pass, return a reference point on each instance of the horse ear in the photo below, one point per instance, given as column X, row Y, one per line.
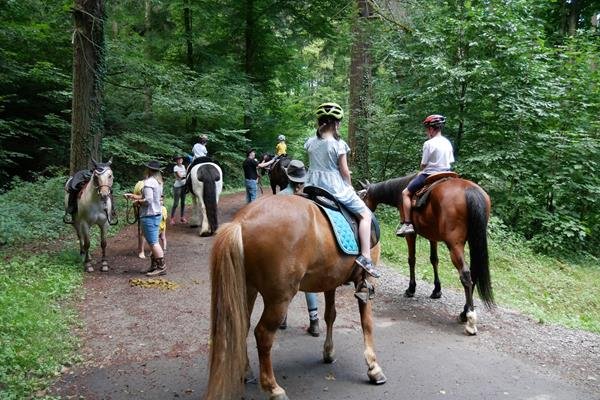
column 94, row 163
column 362, row 184
column 109, row 161
column 368, row 183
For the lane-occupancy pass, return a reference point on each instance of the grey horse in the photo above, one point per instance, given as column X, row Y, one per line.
column 94, row 207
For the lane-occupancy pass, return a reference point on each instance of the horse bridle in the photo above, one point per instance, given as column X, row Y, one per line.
column 97, row 173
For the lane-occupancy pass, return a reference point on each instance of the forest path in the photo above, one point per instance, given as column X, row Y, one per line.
column 148, row 343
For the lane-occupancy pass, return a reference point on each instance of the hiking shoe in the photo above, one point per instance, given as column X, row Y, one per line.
column 183, row 220
column 405, row 229
column 173, row 221
column 313, row 329
column 157, row 272
column 367, row 265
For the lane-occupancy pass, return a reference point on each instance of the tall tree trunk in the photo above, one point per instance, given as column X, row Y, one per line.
column 575, row 7
column 187, row 24
column 87, row 124
column 360, row 93
column 249, row 57
column 148, row 92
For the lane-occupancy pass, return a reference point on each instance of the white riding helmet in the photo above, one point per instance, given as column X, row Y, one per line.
column 280, row 138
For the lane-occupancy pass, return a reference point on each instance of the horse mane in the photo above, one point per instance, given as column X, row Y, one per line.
column 389, row 192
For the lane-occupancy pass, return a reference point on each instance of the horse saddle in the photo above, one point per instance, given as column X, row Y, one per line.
column 78, row 180
column 343, row 222
column 420, row 198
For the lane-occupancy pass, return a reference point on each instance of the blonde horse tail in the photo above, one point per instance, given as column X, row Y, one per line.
column 229, row 319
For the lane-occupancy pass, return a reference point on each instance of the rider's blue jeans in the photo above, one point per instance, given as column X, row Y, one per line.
column 251, row 190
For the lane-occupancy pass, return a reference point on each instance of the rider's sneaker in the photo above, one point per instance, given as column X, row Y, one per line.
column 367, row 265
column 173, row 221
column 406, row 229
column 183, row 220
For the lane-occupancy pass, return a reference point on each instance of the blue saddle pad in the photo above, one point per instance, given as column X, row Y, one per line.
column 343, row 231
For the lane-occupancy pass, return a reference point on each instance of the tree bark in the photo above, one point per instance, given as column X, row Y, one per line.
column 187, row 23
column 148, row 92
column 87, row 124
column 249, row 57
column 360, row 93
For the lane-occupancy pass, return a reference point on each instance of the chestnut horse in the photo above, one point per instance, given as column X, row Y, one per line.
column 275, row 246
column 457, row 212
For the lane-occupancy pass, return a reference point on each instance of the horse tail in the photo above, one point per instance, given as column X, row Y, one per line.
column 229, row 315
column 478, row 248
column 209, row 176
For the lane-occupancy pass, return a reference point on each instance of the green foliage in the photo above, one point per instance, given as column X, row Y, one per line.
column 35, row 321
column 32, row 211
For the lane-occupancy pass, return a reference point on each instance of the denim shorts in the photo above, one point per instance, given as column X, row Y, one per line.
column 150, row 225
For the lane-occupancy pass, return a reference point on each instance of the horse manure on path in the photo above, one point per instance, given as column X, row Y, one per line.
column 154, row 283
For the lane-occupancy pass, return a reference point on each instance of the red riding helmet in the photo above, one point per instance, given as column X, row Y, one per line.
column 435, row 120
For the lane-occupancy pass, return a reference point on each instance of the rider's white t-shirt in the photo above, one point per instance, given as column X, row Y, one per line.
column 181, row 170
column 199, row 150
column 437, row 155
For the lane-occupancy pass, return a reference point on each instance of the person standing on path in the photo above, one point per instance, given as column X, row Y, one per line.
column 296, row 174
column 250, row 165
column 151, row 215
column 437, row 157
column 178, row 190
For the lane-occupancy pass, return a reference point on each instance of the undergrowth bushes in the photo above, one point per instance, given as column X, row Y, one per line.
column 36, row 317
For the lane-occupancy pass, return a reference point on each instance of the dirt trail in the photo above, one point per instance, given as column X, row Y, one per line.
column 148, row 343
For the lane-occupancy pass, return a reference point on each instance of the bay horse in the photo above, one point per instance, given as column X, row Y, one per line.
column 298, row 253
column 94, row 207
column 205, row 183
column 277, row 175
column 457, row 212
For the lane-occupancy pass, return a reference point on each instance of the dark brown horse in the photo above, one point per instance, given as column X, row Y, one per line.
column 277, row 175
column 457, row 212
column 299, row 253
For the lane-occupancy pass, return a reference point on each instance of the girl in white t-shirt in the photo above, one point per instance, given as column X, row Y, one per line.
column 178, row 189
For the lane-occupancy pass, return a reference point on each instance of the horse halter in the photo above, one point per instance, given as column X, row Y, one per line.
column 97, row 173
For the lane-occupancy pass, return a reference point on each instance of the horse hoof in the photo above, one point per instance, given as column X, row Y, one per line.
column 280, row 396
column 89, row 268
column 376, row 376
column 471, row 326
column 408, row 293
column 328, row 358
column 436, row 295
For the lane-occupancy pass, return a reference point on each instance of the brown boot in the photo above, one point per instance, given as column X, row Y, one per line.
column 152, row 265
column 160, row 269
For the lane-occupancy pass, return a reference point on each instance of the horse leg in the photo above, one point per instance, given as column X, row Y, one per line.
column 468, row 315
column 375, row 373
column 251, row 293
column 85, row 234
column 433, row 257
column 330, row 314
column 194, row 219
column 274, row 188
column 103, row 229
column 412, row 285
column 265, row 334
